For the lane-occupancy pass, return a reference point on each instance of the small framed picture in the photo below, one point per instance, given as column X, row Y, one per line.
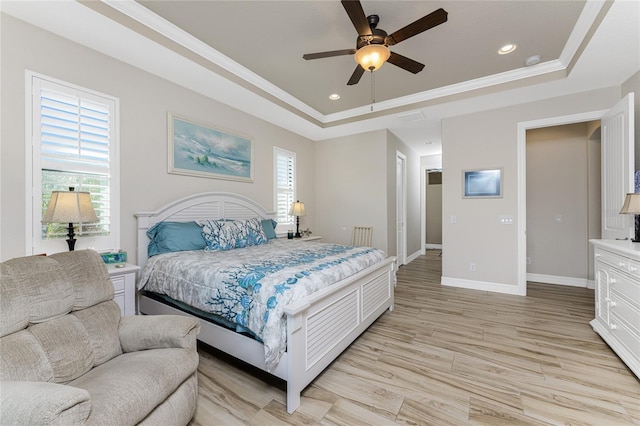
column 483, row 183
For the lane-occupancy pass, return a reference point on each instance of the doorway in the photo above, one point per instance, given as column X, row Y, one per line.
column 563, row 202
column 617, row 175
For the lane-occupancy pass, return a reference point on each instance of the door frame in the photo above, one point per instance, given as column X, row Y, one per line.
column 401, row 201
column 522, row 181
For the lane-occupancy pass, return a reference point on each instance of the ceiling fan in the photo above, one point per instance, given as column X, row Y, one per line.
column 372, row 44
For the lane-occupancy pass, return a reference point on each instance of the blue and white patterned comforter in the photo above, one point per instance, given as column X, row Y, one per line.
column 251, row 286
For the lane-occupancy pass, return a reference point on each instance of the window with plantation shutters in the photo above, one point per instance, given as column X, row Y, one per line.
column 73, row 145
column 285, row 185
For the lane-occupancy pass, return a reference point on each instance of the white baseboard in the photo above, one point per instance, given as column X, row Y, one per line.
column 481, row 285
column 413, row 256
column 433, row 246
column 560, row 280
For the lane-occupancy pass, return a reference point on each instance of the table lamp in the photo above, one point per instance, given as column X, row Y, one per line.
column 632, row 206
column 70, row 207
column 297, row 210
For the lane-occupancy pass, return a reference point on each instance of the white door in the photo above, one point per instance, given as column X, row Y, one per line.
column 617, row 168
column 401, row 210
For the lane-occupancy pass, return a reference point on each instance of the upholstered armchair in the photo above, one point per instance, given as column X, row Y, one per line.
column 67, row 356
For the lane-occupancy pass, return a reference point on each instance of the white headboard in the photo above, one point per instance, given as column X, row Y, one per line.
column 208, row 205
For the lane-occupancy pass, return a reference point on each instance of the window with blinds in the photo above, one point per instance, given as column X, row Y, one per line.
column 74, row 145
column 285, row 185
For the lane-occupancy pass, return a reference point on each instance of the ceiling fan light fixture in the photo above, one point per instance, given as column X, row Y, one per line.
column 372, row 56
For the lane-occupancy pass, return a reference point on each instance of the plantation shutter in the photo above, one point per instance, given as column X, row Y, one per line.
column 285, row 173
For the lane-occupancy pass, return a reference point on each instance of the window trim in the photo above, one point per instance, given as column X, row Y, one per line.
column 33, row 196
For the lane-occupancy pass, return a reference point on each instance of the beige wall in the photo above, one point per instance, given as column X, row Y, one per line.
column 562, row 188
column 633, row 85
column 489, row 139
column 355, row 185
column 351, row 190
column 144, row 103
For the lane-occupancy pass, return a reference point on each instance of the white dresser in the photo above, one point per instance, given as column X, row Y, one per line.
column 617, row 276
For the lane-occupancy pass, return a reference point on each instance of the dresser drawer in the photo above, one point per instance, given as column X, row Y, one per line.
column 625, row 286
column 626, row 312
column 612, row 259
column 624, row 334
column 634, row 269
column 118, row 283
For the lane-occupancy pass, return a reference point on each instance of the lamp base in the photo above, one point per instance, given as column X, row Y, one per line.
column 297, row 235
column 71, row 242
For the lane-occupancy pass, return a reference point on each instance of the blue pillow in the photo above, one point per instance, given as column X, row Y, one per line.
column 168, row 237
column 226, row 235
column 269, row 228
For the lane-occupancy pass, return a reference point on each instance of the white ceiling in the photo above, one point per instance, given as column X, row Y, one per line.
column 248, row 54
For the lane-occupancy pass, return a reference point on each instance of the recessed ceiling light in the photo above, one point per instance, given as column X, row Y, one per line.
column 334, row 96
column 507, row 48
column 532, row 60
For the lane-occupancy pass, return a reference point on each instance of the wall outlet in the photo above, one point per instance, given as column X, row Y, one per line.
column 472, row 266
column 528, row 261
column 454, row 219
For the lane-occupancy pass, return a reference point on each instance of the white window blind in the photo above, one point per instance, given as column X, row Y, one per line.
column 285, row 185
column 74, row 145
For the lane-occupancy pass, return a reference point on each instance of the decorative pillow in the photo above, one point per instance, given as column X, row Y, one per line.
column 168, row 237
column 226, row 235
column 269, row 228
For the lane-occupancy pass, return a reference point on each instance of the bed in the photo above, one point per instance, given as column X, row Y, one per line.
column 317, row 327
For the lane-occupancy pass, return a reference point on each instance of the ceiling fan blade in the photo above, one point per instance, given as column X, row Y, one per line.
column 357, row 16
column 431, row 20
column 355, row 77
column 329, row 54
column 405, row 63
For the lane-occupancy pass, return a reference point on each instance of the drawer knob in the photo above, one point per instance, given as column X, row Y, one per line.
column 620, row 264
column 613, row 326
column 612, row 303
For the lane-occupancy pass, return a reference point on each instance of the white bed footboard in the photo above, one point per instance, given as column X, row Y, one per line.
column 319, row 327
column 325, row 323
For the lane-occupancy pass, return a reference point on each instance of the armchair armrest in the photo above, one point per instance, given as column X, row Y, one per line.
column 141, row 332
column 43, row 403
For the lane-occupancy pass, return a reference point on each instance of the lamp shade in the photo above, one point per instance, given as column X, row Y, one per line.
column 297, row 209
column 631, row 204
column 372, row 56
column 70, row 207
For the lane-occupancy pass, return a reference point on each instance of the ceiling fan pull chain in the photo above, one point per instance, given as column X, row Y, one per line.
column 373, row 90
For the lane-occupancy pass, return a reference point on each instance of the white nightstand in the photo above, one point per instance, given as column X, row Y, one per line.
column 124, row 283
column 312, row 238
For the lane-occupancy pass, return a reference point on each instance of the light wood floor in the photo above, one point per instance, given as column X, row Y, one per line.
column 447, row 356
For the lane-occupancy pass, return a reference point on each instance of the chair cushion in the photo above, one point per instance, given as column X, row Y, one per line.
column 88, row 276
column 13, row 304
column 66, row 345
column 101, row 323
column 127, row 388
column 23, row 359
column 47, row 289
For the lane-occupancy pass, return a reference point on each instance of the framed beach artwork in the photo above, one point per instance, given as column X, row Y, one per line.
column 486, row 183
column 201, row 150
